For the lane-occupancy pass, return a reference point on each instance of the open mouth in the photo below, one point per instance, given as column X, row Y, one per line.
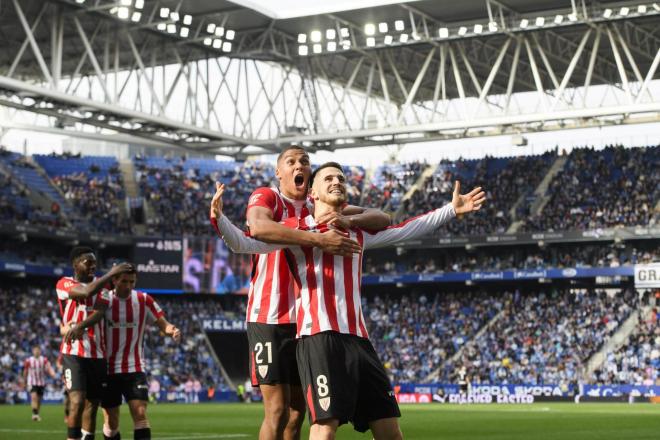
column 299, row 179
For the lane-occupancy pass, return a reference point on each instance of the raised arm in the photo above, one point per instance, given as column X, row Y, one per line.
column 268, row 230
column 422, row 225
column 80, row 291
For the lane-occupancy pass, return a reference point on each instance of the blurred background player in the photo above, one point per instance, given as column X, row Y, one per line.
column 127, row 315
column 463, row 381
column 34, row 373
column 83, row 359
column 271, row 328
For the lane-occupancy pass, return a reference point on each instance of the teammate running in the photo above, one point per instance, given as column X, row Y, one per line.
column 127, row 315
column 83, row 359
column 341, row 374
column 271, row 328
column 34, row 373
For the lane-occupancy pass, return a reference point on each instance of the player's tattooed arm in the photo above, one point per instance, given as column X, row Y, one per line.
column 264, row 228
column 81, row 291
column 169, row 329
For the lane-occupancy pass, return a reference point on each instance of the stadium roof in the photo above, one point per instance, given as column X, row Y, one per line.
column 394, row 52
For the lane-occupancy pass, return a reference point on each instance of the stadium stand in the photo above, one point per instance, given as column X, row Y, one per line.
column 389, row 184
column 93, row 184
column 606, row 188
column 637, row 361
column 506, row 180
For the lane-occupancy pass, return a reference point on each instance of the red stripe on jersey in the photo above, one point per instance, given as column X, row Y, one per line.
column 310, row 403
column 143, row 302
column 264, row 306
column 114, row 308
column 329, row 296
column 81, row 345
column 255, row 273
column 311, row 287
column 129, row 334
column 348, row 289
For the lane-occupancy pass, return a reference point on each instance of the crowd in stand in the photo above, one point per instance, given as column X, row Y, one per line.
column 613, row 187
column 100, row 199
column 544, row 338
column 414, row 335
column 31, row 317
column 504, row 180
column 390, row 183
column 637, row 361
column 460, row 260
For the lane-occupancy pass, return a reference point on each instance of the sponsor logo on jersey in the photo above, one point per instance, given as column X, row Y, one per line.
column 254, row 199
column 324, row 403
column 263, row 371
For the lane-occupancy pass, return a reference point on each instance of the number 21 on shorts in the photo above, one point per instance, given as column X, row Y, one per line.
column 259, row 360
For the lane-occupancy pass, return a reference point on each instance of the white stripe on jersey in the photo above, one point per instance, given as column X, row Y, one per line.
column 126, row 320
column 36, row 371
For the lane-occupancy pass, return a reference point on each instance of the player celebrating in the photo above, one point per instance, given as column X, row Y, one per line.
column 83, row 359
column 34, row 373
column 341, row 374
column 126, row 317
column 271, row 328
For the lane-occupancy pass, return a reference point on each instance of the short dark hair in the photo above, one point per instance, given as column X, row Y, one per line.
column 289, row 148
column 325, row 165
column 79, row 251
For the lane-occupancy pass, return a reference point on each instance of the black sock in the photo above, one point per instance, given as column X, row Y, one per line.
column 88, row 437
column 142, row 434
column 35, row 411
column 74, row 432
column 114, row 437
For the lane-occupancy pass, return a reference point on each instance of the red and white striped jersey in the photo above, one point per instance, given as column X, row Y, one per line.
column 328, row 285
column 92, row 344
column 125, row 321
column 36, row 368
column 271, row 296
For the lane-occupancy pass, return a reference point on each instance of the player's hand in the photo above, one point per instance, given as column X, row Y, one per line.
column 337, row 243
column 174, row 332
column 216, row 202
column 64, row 328
column 466, row 203
column 121, row 268
column 73, row 333
column 335, row 219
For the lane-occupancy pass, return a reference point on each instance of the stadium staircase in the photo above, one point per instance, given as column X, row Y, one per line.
column 616, row 341
column 127, row 170
column 540, row 194
column 421, row 180
column 433, row 377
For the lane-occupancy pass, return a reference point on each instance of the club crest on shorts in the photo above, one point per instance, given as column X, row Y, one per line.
column 263, row 371
column 324, row 403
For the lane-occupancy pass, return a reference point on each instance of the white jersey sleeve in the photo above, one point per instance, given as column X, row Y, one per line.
column 240, row 243
column 415, row 227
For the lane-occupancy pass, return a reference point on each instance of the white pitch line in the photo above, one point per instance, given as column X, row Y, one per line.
column 189, row 436
column 205, row 437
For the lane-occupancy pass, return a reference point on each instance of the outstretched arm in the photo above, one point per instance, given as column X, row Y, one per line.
column 75, row 331
column 425, row 224
column 168, row 329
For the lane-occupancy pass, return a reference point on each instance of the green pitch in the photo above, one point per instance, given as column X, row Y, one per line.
column 424, row 422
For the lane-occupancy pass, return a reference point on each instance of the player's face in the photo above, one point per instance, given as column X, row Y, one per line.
column 124, row 283
column 330, row 186
column 293, row 171
column 85, row 267
column 36, row 351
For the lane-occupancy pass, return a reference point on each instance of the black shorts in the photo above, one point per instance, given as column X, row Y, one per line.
column 272, row 354
column 343, row 379
column 39, row 389
column 463, row 387
column 130, row 386
column 85, row 374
